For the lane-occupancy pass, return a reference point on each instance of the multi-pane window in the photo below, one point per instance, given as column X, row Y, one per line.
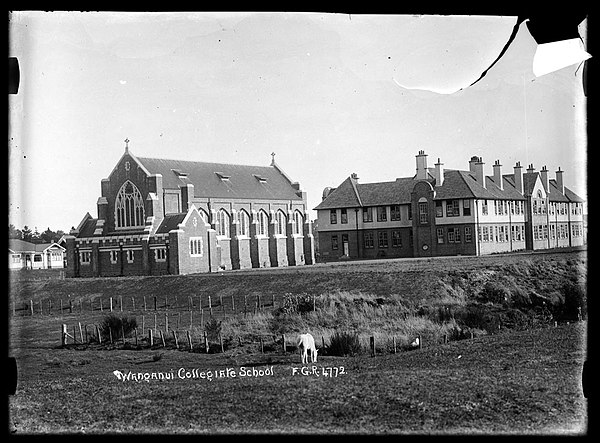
column 381, row 213
column 333, row 216
column 410, row 214
column 484, row 207
column 196, row 249
column 440, row 235
column 334, row 242
column 486, row 233
column 439, row 208
column 382, row 239
column 160, row 254
column 244, row 222
column 395, row 212
column 423, row 216
column 129, row 207
column 298, row 221
column 280, row 221
column 263, row 223
column 468, row 234
column 367, row 215
column 85, row 257
column 222, row 223
column 466, row 207
column 396, row 239
column 453, row 235
column 344, row 216
column 114, row 257
column 369, row 243
column 130, row 253
column 452, row 208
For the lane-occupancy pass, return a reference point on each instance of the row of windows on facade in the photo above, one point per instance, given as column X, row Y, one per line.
column 129, row 212
column 497, row 233
column 54, row 256
column 501, row 207
column 452, row 210
column 196, row 249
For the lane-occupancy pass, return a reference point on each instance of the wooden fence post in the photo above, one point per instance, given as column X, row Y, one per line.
column 232, row 303
column 155, row 302
column 136, row 336
column 314, row 302
column 143, row 323
column 372, row 340
column 206, row 342
column 74, row 335
column 63, row 335
column 99, row 335
column 100, row 305
column 189, row 337
column 166, row 301
column 257, row 302
column 144, row 303
column 209, row 305
column 221, row 342
column 155, row 325
column 80, row 332
column 201, row 317
column 121, row 302
column 111, row 305
column 420, row 341
column 31, row 306
column 70, row 306
column 175, row 338
column 166, row 322
column 110, row 335
column 133, row 303
column 162, row 338
column 322, row 343
column 445, row 338
column 394, row 343
column 191, row 318
column 245, row 304
column 273, row 300
column 150, row 337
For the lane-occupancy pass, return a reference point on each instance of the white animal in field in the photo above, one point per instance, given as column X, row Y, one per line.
column 306, row 344
column 415, row 343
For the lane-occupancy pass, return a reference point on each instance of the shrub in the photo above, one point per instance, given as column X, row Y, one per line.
column 116, row 325
column 343, row 344
column 213, row 329
column 494, row 292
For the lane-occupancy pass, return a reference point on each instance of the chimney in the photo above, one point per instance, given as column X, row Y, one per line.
column 479, row 175
column 544, row 176
column 559, row 181
column 472, row 163
column 498, row 174
column 421, row 166
column 530, row 169
column 519, row 177
column 439, row 173
column 354, row 176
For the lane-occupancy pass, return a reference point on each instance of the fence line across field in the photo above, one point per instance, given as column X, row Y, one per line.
column 221, row 304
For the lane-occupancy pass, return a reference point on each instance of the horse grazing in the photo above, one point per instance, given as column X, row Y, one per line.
column 306, row 343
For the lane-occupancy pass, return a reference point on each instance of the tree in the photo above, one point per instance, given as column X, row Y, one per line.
column 13, row 232
column 26, row 233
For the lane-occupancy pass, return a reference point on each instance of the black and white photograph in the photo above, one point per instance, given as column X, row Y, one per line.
column 282, row 223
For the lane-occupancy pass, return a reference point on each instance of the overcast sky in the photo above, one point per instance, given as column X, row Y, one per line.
column 330, row 94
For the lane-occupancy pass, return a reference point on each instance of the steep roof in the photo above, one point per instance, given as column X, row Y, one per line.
column 457, row 184
column 222, row 179
column 170, row 222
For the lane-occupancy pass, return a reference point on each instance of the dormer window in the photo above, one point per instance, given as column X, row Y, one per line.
column 222, row 176
column 260, row 178
column 179, row 173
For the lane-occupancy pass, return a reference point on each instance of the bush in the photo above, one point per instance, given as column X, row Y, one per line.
column 116, row 325
column 296, row 303
column 494, row 292
column 343, row 344
column 213, row 329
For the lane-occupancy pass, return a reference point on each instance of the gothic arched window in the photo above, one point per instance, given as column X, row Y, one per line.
column 244, row 220
column 298, row 221
column 280, row 221
column 222, row 223
column 263, row 223
column 129, row 207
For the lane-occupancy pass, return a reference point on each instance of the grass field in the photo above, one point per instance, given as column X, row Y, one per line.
column 512, row 382
column 525, row 382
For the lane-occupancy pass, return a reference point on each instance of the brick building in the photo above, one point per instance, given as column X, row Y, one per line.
column 449, row 212
column 158, row 216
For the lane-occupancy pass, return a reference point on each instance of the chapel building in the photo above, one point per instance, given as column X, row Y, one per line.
column 158, row 216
